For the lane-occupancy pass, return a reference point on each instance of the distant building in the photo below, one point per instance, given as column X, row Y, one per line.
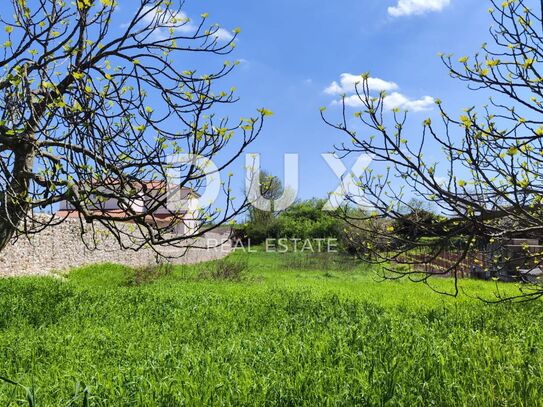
column 165, row 205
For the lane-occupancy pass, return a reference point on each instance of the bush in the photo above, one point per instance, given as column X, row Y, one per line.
column 304, row 220
column 226, row 269
column 149, row 274
column 356, row 237
column 308, row 220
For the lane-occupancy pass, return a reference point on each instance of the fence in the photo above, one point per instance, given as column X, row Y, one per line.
column 509, row 262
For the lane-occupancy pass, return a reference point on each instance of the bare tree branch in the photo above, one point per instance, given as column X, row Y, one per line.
column 88, row 116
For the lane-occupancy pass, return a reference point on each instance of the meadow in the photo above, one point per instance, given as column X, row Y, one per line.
column 291, row 330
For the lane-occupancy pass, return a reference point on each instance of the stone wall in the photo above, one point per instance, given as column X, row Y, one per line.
column 62, row 247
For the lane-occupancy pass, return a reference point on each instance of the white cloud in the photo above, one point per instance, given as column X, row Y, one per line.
column 417, row 7
column 181, row 24
column 224, row 35
column 348, row 82
column 397, row 100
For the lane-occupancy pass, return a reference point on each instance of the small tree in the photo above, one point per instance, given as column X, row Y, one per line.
column 490, row 188
column 88, row 115
column 261, row 223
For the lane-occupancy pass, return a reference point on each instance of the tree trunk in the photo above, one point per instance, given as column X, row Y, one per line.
column 14, row 204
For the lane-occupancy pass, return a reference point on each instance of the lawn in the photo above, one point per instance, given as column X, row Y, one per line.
column 292, row 331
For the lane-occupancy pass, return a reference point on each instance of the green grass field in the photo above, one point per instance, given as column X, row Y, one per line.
column 290, row 332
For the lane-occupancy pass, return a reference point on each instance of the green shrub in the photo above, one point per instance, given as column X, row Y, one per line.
column 149, row 274
column 226, row 269
column 303, row 220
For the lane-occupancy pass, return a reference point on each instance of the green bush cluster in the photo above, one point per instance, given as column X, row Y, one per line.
column 303, row 220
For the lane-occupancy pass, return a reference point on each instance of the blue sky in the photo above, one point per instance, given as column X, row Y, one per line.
column 292, row 52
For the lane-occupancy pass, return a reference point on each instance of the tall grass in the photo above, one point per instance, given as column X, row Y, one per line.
column 288, row 337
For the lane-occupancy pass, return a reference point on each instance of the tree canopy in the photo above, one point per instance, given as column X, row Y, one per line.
column 92, row 112
column 488, row 188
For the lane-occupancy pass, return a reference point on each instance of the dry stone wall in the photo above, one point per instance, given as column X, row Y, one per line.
column 61, row 248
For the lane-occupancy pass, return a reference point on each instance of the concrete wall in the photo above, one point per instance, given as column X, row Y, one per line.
column 62, row 247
